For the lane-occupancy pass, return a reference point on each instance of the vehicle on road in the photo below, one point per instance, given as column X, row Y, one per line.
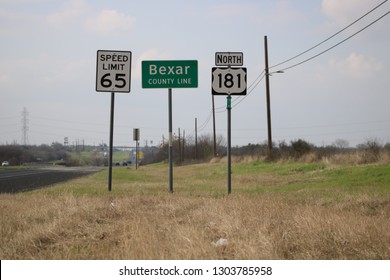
column 5, row 163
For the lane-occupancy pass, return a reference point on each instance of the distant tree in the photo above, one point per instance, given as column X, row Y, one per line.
column 16, row 154
column 341, row 144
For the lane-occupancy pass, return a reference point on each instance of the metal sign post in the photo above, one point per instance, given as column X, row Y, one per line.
column 228, row 81
column 170, row 141
column 136, row 139
column 111, row 141
column 229, row 143
column 170, row 74
column 113, row 74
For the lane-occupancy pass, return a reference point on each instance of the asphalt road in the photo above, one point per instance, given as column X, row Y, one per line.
column 13, row 180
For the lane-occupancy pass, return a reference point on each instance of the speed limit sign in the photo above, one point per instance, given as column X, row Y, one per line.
column 113, row 71
column 228, row 81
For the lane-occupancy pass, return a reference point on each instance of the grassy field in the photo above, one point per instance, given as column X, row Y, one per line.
column 280, row 210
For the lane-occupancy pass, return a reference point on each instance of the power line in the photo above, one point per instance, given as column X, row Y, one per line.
column 203, row 125
column 250, row 91
column 251, row 87
column 327, row 39
column 346, row 39
column 254, row 85
column 261, row 76
column 222, row 109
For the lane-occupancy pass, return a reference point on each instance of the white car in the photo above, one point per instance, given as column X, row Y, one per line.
column 5, row 163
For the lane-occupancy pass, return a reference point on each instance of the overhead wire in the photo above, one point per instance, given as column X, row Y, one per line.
column 327, row 39
column 222, row 109
column 339, row 43
column 250, row 91
column 260, row 77
column 203, row 125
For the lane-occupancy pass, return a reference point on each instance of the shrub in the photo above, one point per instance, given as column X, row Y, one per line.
column 300, row 147
column 370, row 151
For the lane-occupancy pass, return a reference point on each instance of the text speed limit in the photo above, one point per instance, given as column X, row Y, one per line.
column 113, row 71
column 228, row 81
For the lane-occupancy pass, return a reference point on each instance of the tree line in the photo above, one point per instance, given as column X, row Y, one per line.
column 188, row 150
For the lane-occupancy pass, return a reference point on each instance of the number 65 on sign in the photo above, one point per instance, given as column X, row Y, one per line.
column 113, row 71
column 228, row 81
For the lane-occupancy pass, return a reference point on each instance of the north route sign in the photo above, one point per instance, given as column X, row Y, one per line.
column 113, row 71
column 170, row 74
column 229, row 59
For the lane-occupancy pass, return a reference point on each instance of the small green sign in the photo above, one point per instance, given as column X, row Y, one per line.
column 170, row 74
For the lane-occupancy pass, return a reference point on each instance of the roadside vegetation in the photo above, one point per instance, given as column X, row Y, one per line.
column 186, row 152
column 312, row 204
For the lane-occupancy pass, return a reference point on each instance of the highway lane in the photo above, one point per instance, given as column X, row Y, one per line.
column 14, row 180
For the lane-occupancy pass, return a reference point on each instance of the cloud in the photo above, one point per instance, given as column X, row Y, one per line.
column 70, row 11
column 269, row 13
column 12, row 23
column 43, row 71
column 357, row 66
column 232, row 10
column 151, row 54
column 4, row 78
column 342, row 12
column 110, row 21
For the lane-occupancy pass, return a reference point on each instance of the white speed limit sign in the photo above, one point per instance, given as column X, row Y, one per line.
column 228, row 81
column 113, row 71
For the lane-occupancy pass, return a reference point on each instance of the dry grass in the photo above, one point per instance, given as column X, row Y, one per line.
column 305, row 224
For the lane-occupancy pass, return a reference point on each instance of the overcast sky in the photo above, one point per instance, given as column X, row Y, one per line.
column 48, row 66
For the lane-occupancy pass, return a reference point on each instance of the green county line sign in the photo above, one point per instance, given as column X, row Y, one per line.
column 170, row 74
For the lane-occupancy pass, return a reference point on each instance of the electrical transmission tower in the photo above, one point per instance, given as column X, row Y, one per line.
column 25, row 126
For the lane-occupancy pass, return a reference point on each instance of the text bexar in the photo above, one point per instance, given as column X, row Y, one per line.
column 168, row 70
column 114, row 58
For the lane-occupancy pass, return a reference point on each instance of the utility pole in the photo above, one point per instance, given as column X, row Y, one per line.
column 268, row 95
column 184, row 143
column 24, row 126
column 214, row 132
column 179, row 147
column 196, row 138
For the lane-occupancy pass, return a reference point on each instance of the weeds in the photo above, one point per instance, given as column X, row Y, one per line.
column 278, row 210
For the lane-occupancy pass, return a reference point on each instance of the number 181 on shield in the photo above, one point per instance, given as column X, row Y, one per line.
column 228, row 81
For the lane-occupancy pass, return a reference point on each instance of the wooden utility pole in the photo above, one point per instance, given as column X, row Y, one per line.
column 196, row 138
column 179, row 146
column 268, row 95
column 214, row 131
column 184, row 143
